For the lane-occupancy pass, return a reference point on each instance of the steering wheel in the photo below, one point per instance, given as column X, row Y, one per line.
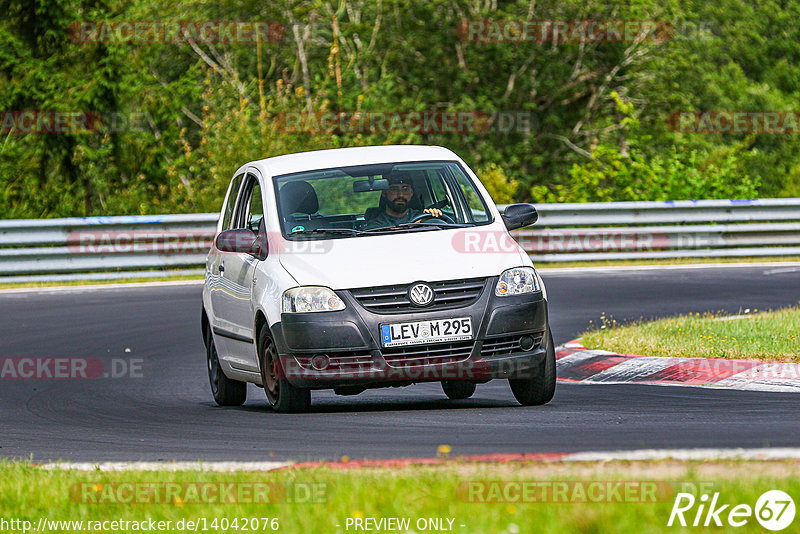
column 423, row 216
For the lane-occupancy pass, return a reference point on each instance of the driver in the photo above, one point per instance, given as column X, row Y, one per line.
column 396, row 200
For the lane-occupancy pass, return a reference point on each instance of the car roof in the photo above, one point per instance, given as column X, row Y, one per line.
column 344, row 157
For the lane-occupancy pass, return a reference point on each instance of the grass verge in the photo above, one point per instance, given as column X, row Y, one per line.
column 70, row 283
column 323, row 500
column 767, row 336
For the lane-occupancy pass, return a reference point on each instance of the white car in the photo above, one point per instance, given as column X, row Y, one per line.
column 369, row 267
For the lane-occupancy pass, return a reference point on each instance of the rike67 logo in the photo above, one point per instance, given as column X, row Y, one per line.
column 774, row 510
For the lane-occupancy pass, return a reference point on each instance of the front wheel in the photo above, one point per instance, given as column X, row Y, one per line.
column 282, row 396
column 458, row 389
column 541, row 388
column 226, row 392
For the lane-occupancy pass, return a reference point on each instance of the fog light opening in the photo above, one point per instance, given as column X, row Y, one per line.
column 320, row 361
column 526, row 342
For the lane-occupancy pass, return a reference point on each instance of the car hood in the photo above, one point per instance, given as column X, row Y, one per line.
column 388, row 259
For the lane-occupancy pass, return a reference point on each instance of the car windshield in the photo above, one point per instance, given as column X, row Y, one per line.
column 381, row 198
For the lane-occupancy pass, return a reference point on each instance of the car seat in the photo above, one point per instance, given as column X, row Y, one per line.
column 299, row 203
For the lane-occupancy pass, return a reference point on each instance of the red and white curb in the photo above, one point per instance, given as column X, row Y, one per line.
column 544, row 457
column 576, row 363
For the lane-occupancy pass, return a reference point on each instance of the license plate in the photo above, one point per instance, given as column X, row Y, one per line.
column 417, row 333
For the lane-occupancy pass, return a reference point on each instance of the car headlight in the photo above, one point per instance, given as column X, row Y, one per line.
column 517, row 281
column 311, row 299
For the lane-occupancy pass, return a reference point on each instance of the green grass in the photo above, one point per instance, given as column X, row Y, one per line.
column 28, row 493
column 71, row 283
column 767, row 336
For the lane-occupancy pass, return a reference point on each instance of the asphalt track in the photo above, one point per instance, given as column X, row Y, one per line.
column 168, row 413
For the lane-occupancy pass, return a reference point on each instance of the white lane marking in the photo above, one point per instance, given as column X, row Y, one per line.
column 685, row 454
column 222, row 467
column 775, row 386
column 769, row 386
column 777, row 453
column 95, row 287
column 782, row 270
column 624, row 268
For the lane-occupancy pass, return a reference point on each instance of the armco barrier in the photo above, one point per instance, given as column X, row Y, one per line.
column 669, row 229
column 158, row 245
column 83, row 248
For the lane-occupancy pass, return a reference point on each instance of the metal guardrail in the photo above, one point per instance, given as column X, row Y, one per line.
column 158, row 245
column 104, row 248
column 669, row 229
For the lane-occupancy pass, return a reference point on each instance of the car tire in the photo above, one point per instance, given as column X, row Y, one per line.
column 282, row 396
column 458, row 389
column 541, row 388
column 226, row 392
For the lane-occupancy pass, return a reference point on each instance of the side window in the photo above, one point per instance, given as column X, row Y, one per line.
column 233, row 194
column 437, row 186
column 249, row 208
column 471, row 195
column 440, row 191
column 256, row 211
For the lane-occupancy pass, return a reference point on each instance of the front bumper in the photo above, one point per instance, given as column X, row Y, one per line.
column 350, row 339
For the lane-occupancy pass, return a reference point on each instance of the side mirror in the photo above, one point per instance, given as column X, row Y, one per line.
column 520, row 215
column 243, row 241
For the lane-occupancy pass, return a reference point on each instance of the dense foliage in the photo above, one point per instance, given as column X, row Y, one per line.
column 178, row 118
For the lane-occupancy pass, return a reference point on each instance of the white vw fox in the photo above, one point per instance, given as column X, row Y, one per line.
column 370, row 267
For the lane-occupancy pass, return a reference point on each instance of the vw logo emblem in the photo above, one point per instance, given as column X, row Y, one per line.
column 420, row 294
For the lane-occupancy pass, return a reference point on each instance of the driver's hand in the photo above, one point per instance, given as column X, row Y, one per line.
column 434, row 211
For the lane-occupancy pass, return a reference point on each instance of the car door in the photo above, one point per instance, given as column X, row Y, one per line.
column 233, row 305
column 215, row 279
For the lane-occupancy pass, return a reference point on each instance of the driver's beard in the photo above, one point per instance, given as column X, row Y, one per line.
column 398, row 205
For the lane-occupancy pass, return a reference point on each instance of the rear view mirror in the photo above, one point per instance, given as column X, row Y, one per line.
column 364, row 186
column 519, row 216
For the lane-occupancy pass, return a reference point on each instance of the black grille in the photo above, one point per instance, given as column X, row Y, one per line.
column 432, row 354
column 341, row 361
column 499, row 346
column 394, row 299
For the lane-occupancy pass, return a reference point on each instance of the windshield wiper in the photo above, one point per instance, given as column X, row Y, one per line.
column 405, row 226
column 338, row 231
column 427, row 225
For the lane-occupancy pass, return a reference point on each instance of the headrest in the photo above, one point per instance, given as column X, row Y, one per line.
column 299, row 197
